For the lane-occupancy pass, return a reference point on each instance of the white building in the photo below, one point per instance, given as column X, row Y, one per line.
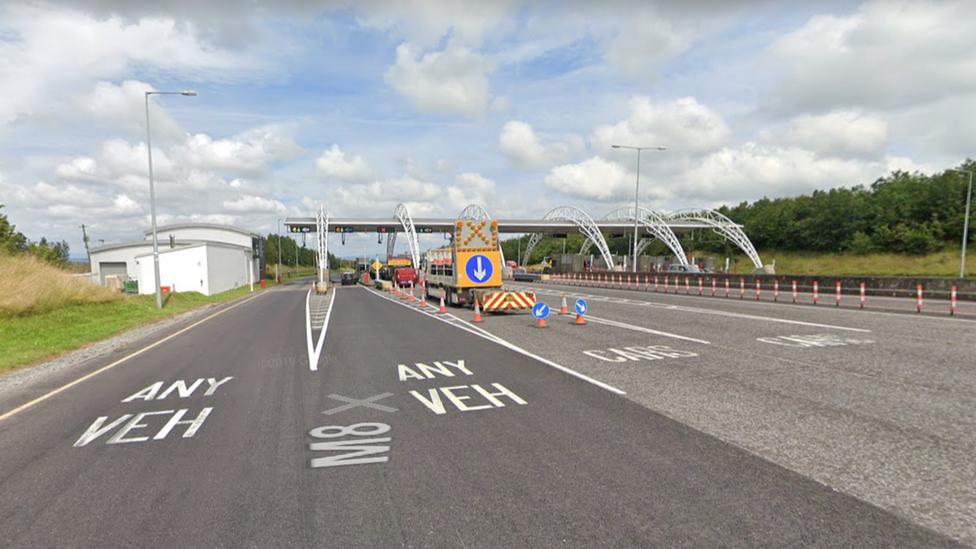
column 193, row 257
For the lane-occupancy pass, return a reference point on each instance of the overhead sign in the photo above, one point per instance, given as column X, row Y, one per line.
column 580, row 307
column 300, row 229
column 479, row 270
column 344, row 229
column 540, row 310
column 476, row 236
column 424, row 230
column 399, row 262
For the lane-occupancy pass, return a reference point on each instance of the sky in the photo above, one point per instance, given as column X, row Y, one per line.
column 437, row 104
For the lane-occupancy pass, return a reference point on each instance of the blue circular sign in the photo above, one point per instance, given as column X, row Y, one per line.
column 479, row 269
column 540, row 310
column 580, row 307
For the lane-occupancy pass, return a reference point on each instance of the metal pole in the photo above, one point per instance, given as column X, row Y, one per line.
column 965, row 224
column 278, row 272
column 152, row 209
column 636, row 211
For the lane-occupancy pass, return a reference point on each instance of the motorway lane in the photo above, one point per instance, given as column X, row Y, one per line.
column 885, row 413
column 506, row 452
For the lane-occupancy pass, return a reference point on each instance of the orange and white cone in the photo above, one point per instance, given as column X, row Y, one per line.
column 542, row 323
column 579, row 320
column 442, row 309
column 391, row 288
column 411, row 294
column 423, row 299
column 477, row 311
column 562, row 309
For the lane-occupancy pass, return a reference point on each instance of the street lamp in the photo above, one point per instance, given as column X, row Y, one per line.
column 637, row 194
column 152, row 190
column 965, row 224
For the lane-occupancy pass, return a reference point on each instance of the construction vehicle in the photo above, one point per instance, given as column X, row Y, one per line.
column 471, row 268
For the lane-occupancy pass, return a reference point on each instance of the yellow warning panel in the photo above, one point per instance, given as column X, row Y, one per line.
column 476, row 236
column 482, row 269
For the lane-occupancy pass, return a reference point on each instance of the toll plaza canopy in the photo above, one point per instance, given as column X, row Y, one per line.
column 563, row 220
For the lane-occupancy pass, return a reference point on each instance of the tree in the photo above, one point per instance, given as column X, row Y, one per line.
column 11, row 241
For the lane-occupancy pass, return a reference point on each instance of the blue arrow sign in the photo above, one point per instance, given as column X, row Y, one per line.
column 580, row 307
column 540, row 310
column 479, row 268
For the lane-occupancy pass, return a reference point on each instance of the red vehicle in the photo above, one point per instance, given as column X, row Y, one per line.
column 405, row 276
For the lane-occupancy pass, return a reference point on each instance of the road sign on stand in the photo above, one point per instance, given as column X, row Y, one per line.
column 540, row 310
column 580, row 307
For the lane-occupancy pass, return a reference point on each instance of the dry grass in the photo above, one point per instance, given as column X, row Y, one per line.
column 30, row 286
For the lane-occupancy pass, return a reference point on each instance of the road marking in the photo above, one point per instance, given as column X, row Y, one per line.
column 65, row 387
column 355, row 403
column 313, row 354
column 474, row 330
column 717, row 313
column 626, row 326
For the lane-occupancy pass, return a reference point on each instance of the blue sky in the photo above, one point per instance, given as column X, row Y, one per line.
column 513, row 105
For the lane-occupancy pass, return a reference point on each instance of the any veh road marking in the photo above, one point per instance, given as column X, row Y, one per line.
column 475, row 330
column 65, row 387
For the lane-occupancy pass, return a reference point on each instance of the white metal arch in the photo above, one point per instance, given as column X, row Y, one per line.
column 413, row 243
column 475, row 212
column 656, row 225
column 721, row 225
column 585, row 224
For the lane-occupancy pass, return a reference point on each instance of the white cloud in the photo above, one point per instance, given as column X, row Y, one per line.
column 470, row 188
column 593, row 179
column 253, row 204
column 121, row 105
column 840, row 133
column 426, row 22
column 520, row 144
column 251, row 153
column 889, row 54
column 332, row 164
column 682, row 125
column 452, row 81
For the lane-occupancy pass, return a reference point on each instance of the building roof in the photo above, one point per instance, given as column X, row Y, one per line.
column 203, row 226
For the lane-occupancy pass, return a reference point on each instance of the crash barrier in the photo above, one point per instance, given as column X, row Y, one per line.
column 949, row 291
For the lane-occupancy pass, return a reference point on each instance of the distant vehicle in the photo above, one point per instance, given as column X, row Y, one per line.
column 348, row 278
column 683, row 269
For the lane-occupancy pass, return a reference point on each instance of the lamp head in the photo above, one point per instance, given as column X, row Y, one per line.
column 188, row 92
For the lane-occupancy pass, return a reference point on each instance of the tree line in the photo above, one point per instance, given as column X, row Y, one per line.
column 292, row 252
column 902, row 213
column 14, row 242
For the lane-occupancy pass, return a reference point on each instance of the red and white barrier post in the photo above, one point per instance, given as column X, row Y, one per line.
column 666, row 279
column 837, row 303
column 862, row 295
column 655, row 283
column 687, row 286
column 699, row 285
column 713, row 286
column 952, row 302
column 758, row 289
column 919, row 298
column 775, row 291
column 816, row 292
column 742, row 288
column 794, row 291
column 726, row 287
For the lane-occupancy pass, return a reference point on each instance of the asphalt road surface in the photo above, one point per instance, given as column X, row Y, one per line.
column 356, row 419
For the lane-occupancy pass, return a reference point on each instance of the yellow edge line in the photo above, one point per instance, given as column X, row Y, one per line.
column 63, row 388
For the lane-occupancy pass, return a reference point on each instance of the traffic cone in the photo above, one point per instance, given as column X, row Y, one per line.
column 443, row 309
column 562, row 309
column 314, row 287
column 579, row 320
column 391, row 288
column 542, row 323
column 411, row 295
column 477, row 311
column 423, row 299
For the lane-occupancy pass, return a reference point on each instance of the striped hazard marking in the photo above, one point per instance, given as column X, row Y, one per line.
column 509, row 301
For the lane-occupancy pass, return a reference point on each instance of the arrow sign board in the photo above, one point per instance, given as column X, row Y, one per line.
column 540, row 310
column 580, row 307
column 480, row 270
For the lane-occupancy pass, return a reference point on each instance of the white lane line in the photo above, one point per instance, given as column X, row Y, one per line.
column 67, row 386
column 625, row 326
column 724, row 313
column 313, row 354
column 477, row 331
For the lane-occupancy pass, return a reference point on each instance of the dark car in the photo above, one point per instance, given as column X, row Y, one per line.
column 348, row 278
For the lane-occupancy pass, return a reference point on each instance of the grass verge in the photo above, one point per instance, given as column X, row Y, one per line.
column 28, row 339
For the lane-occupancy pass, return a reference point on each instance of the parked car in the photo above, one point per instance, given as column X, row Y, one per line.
column 683, row 269
column 348, row 278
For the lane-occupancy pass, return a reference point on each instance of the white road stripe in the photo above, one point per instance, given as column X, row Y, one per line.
column 477, row 331
column 625, row 326
column 313, row 354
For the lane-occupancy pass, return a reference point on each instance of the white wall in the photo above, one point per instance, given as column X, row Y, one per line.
column 125, row 254
column 228, row 267
column 182, row 269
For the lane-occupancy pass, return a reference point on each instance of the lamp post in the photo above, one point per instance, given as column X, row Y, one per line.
column 965, row 224
column 637, row 194
column 152, row 191
column 278, row 272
